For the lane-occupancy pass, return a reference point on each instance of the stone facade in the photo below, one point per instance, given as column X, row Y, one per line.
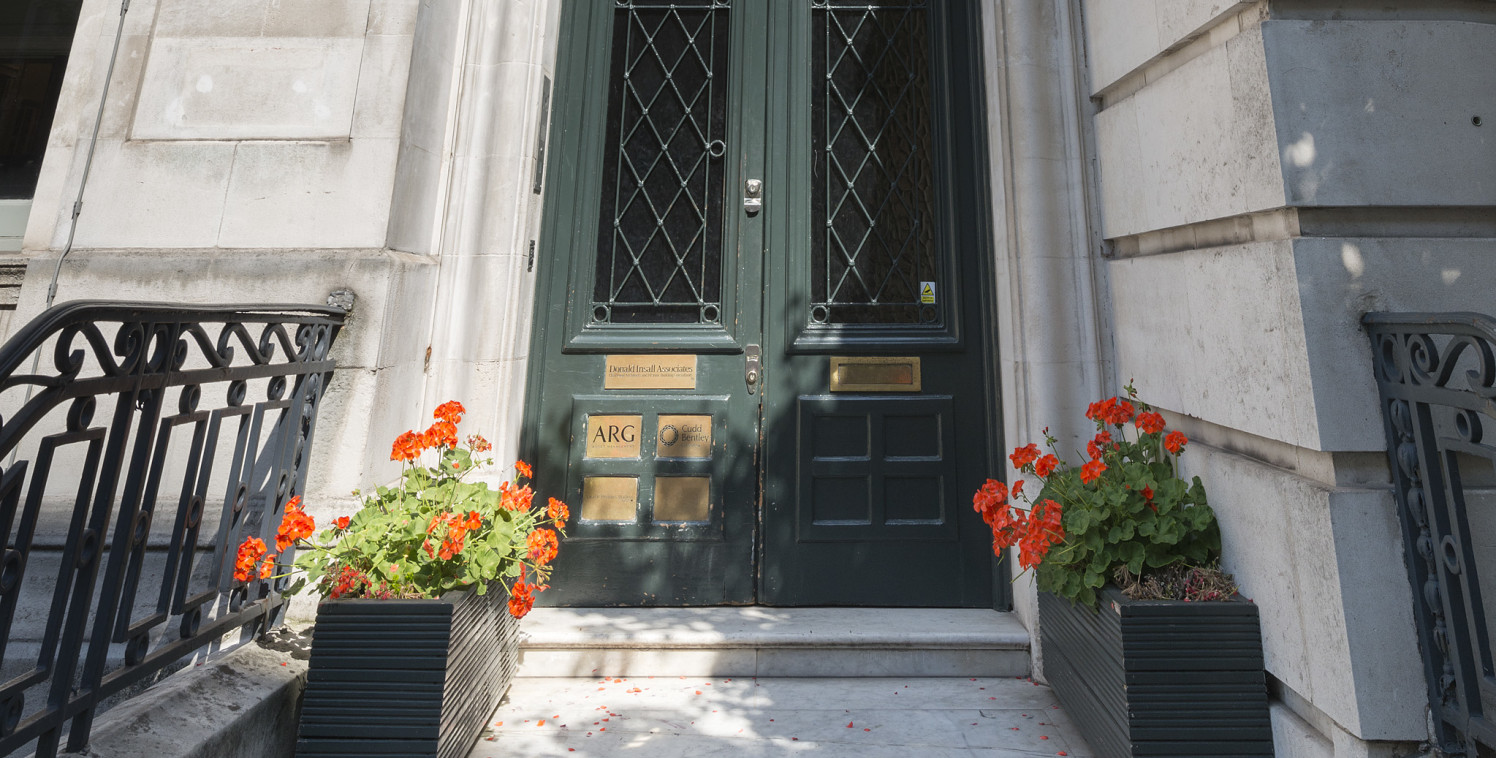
column 1267, row 173
column 274, row 151
column 1200, row 195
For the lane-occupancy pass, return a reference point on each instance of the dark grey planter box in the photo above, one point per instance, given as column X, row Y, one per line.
column 406, row 677
column 1159, row 678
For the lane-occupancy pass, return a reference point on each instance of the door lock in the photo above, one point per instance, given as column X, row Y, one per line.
column 751, row 367
column 753, row 196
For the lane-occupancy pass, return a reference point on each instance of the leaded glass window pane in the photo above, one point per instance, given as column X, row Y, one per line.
column 659, row 254
column 872, row 188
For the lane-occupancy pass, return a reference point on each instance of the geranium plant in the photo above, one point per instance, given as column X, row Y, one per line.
column 430, row 533
column 1124, row 514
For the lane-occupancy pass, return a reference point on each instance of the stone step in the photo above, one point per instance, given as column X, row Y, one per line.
column 779, row 642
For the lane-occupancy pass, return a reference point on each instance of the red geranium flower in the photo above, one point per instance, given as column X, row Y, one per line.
column 440, row 434
column 1120, row 413
column 1150, row 422
column 250, row 552
column 542, row 545
column 295, row 525
column 450, row 412
column 1098, row 445
column 1091, row 471
column 558, row 511
column 407, row 447
column 1023, row 456
column 1046, row 465
column 1174, row 442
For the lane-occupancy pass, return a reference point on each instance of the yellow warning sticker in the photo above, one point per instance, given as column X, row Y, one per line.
column 927, row 293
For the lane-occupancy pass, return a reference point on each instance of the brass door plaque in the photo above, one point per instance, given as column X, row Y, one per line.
column 610, row 498
column 613, row 436
column 683, row 498
column 650, row 372
column 875, row 374
column 684, row 437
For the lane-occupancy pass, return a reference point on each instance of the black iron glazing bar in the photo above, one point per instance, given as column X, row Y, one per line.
column 180, row 387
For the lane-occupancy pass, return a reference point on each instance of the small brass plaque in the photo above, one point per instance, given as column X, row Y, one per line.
column 875, row 374
column 684, row 437
column 650, row 372
column 683, row 498
column 613, row 436
column 610, row 498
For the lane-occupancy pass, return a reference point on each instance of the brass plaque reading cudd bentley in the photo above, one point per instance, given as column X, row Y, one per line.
column 683, row 498
column 610, row 498
column 613, row 436
column 649, row 372
column 684, row 437
column 875, row 374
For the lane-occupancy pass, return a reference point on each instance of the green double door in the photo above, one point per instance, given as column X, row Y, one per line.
column 761, row 370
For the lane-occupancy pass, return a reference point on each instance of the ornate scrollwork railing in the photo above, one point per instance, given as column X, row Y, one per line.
column 1437, row 378
column 149, row 443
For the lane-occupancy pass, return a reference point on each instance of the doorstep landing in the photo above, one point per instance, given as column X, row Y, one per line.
column 698, row 717
column 772, row 642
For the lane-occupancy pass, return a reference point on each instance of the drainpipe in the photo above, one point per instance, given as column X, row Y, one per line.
column 93, row 143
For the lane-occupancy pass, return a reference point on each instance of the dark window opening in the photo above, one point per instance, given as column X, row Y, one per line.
column 35, row 37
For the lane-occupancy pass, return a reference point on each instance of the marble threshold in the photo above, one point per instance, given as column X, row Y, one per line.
column 753, row 641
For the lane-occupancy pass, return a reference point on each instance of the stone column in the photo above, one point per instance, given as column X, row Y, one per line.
column 466, row 197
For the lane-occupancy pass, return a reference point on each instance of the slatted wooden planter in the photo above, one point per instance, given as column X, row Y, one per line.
column 1159, row 678
column 394, row 678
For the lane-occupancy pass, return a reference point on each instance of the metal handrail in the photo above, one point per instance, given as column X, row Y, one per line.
column 182, row 388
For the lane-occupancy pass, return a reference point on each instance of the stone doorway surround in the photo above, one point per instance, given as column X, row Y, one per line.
column 1050, row 341
column 1051, row 344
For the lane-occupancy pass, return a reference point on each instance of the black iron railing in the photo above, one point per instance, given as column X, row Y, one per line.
column 1437, row 377
column 139, row 445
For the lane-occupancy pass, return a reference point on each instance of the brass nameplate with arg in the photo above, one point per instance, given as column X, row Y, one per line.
column 650, row 372
column 684, row 437
column 683, row 498
column 875, row 374
column 610, row 498
column 613, row 436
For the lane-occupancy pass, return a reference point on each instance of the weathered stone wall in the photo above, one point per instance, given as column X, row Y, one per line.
column 277, row 150
column 1267, row 173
